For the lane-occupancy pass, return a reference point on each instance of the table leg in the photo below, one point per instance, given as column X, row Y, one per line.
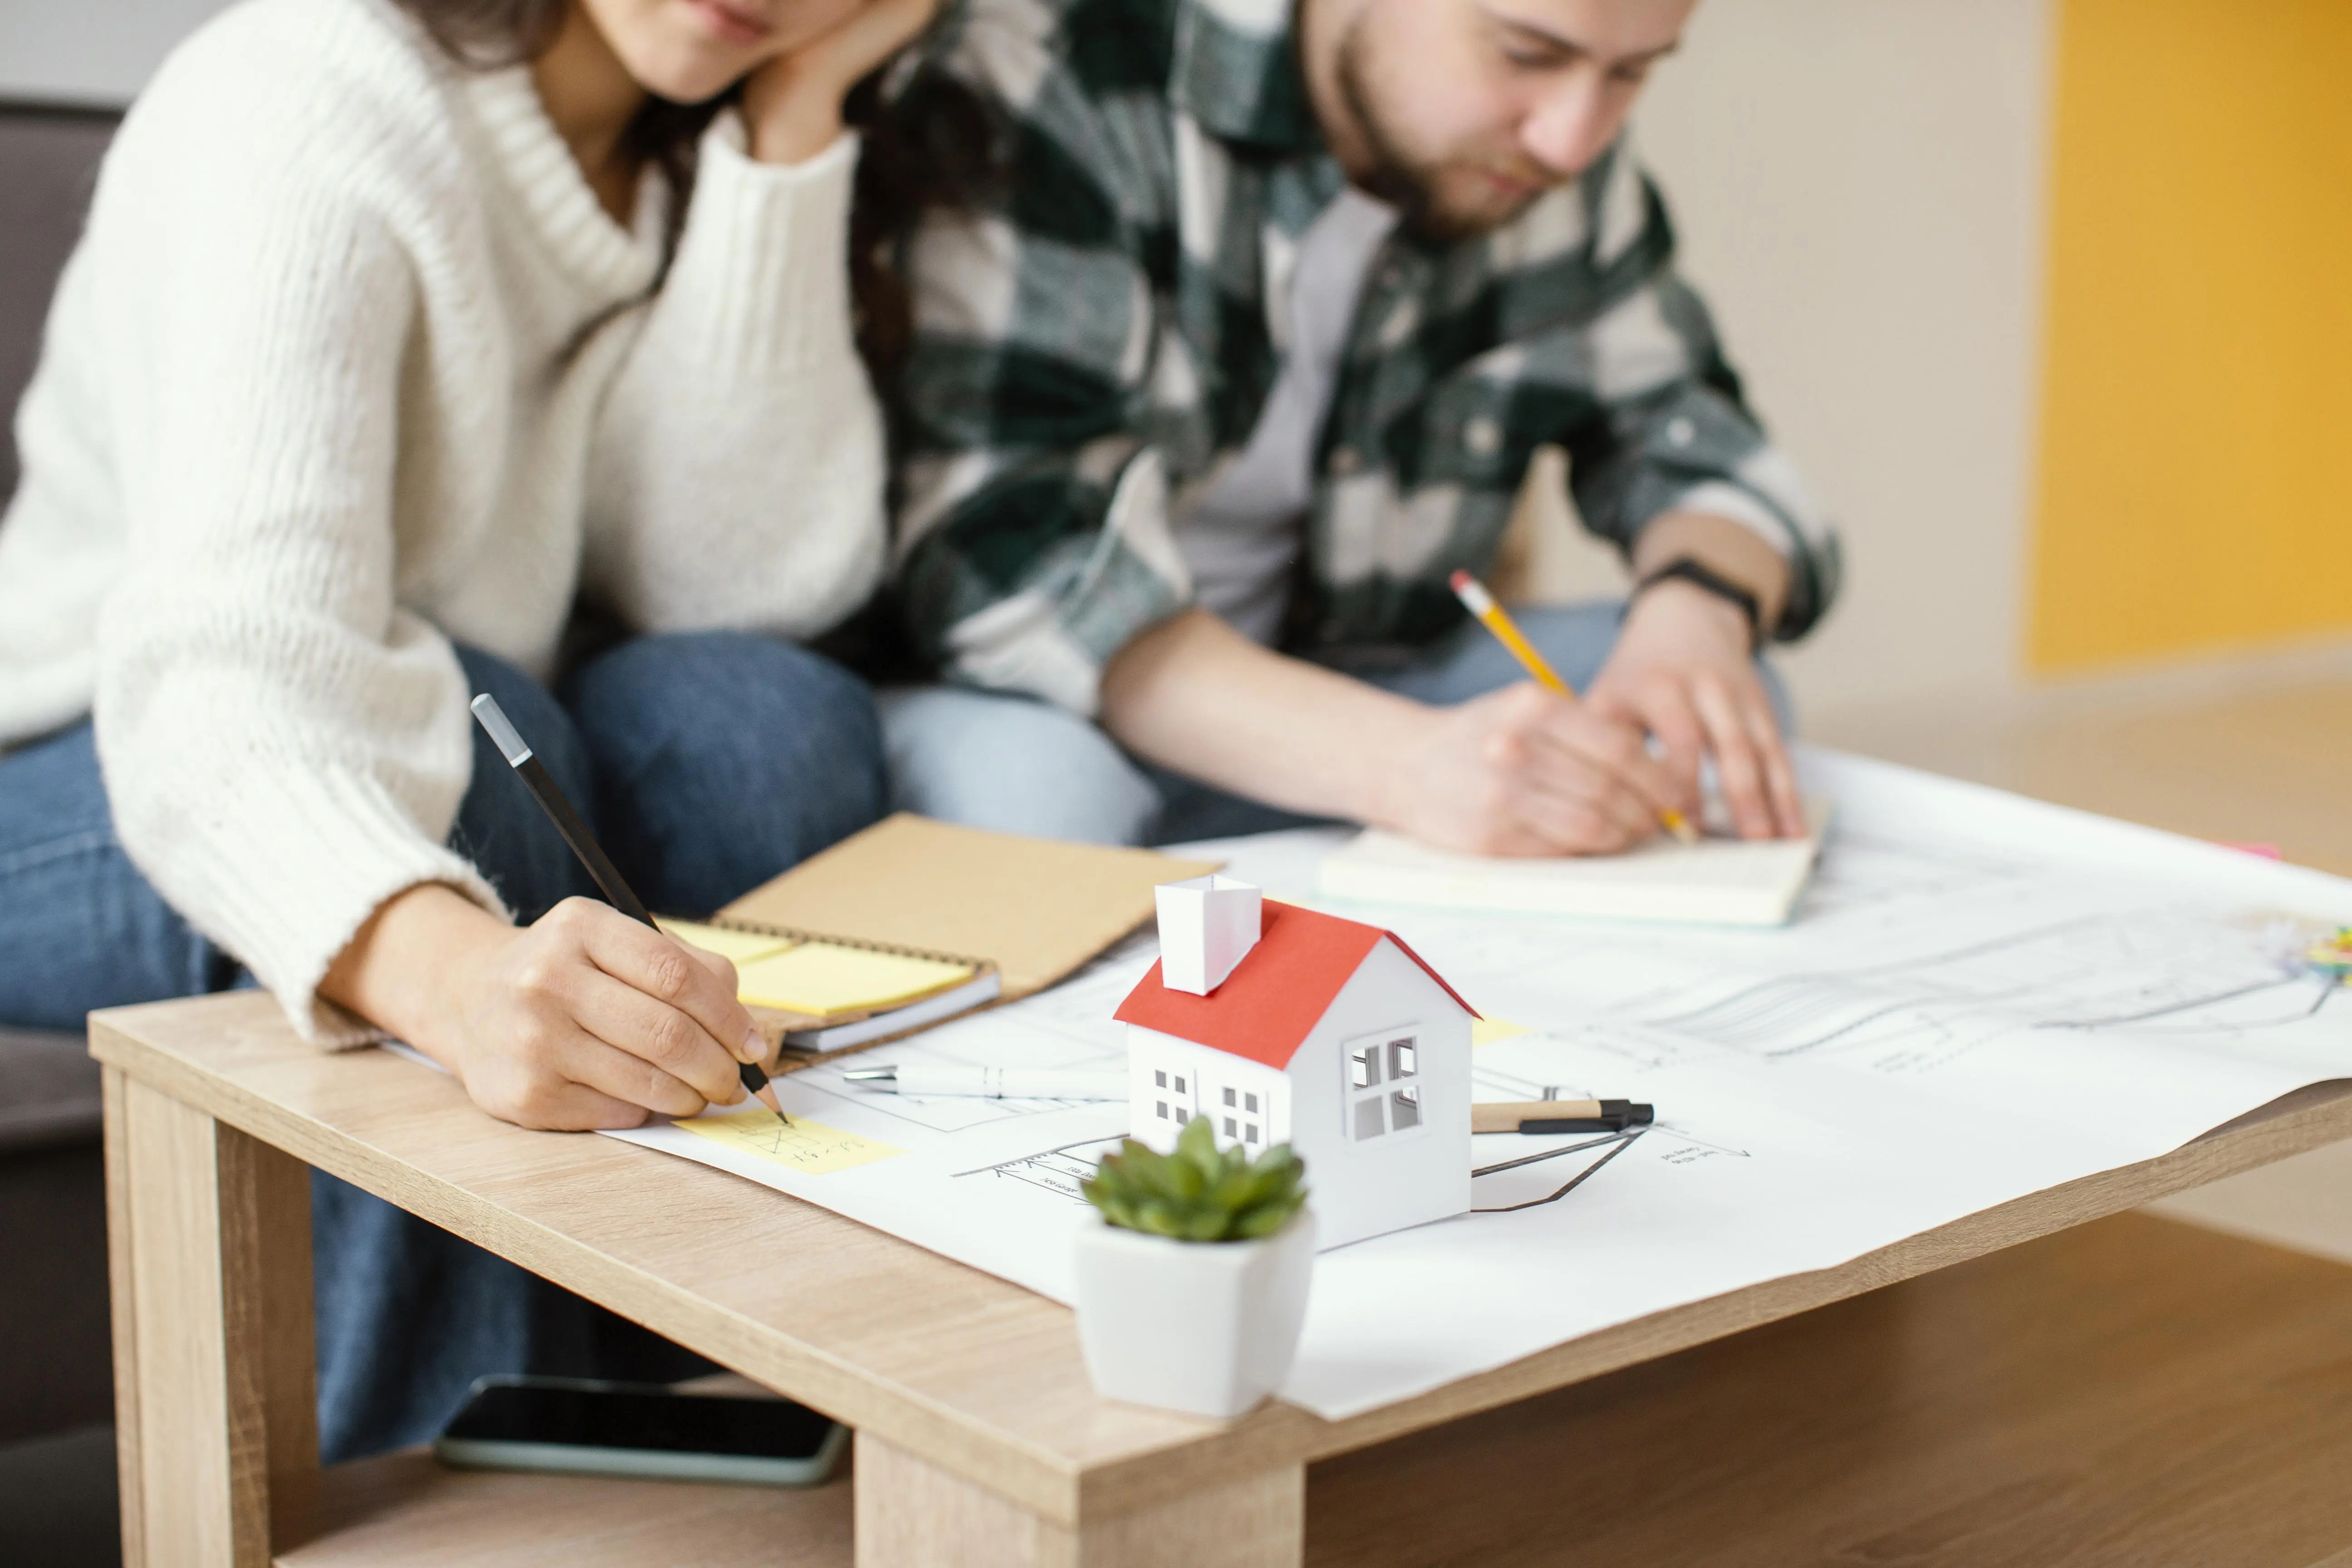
column 912, row 1513
column 208, row 1235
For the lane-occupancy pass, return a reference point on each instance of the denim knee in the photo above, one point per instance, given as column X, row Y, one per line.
column 1013, row 764
column 499, row 826
column 723, row 758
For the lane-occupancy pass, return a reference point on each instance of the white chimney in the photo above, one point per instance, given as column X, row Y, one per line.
column 1206, row 927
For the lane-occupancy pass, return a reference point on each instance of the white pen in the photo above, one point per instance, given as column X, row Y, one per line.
column 995, row 1083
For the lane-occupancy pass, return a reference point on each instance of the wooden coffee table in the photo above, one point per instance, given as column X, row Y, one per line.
column 979, row 1439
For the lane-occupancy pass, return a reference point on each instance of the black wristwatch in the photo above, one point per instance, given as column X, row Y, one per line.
column 1698, row 574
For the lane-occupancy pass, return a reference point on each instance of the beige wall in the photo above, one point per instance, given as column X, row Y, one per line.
column 1858, row 184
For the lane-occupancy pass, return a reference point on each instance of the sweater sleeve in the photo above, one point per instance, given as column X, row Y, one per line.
column 737, row 473
column 283, row 748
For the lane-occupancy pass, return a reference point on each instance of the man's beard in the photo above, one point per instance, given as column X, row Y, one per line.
column 1410, row 184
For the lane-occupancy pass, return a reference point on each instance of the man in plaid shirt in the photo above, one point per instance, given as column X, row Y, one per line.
column 1246, row 355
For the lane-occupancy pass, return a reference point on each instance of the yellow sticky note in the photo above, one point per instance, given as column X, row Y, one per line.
column 801, row 1146
column 820, row 979
column 738, row 947
column 1486, row 1031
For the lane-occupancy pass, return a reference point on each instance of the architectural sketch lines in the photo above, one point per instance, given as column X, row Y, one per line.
column 2166, row 968
column 2169, row 1009
column 1056, row 1170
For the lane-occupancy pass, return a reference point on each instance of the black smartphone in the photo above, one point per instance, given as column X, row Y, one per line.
column 583, row 1427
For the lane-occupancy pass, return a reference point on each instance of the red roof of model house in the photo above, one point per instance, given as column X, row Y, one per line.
column 1277, row 993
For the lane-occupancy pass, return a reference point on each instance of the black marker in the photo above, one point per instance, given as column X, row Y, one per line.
column 534, row 774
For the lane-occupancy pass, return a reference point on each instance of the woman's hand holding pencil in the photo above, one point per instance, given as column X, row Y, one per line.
column 591, row 1016
column 583, row 1019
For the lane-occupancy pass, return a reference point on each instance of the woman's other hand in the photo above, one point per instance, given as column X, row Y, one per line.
column 792, row 105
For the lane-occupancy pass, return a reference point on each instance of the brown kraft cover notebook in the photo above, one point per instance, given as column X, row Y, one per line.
column 1037, row 908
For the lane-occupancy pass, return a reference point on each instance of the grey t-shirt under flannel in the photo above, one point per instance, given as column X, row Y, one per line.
column 1105, row 323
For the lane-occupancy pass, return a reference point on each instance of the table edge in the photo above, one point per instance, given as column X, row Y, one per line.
column 1061, row 1486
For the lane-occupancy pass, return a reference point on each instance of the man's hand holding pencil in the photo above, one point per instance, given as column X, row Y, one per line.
column 1524, row 771
column 1542, row 773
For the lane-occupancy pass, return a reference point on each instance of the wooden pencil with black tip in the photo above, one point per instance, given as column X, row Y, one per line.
column 1558, row 1116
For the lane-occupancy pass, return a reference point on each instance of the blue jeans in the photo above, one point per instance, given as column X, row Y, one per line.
column 1023, row 766
column 709, row 763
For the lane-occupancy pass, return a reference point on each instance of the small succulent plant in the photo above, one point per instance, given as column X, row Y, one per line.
column 1199, row 1192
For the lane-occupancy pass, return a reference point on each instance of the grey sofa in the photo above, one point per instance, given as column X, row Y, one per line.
column 53, row 1318
column 55, row 1372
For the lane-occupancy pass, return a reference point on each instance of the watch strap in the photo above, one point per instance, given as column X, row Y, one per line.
column 1698, row 574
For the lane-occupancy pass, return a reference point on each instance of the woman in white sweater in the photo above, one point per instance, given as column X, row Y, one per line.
column 378, row 358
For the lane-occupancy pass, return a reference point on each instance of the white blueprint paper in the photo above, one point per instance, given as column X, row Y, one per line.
column 1983, row 997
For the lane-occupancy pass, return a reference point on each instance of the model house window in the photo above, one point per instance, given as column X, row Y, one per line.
column 1383, row 1087
column 1170, row 1106
column 1238, row 1117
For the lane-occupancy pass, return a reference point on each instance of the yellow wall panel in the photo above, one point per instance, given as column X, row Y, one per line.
column 2196, row 414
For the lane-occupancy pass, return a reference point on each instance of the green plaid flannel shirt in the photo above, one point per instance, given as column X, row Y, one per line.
column 1103, row 328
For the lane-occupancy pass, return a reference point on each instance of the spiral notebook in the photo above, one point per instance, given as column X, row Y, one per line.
column 913, row 921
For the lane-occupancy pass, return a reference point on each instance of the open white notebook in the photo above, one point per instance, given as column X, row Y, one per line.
column 1716, row 882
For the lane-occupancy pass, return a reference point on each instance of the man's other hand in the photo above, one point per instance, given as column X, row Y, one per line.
column 1682, row 671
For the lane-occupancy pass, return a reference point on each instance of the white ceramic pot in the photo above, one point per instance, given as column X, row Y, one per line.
column 1208, row 1327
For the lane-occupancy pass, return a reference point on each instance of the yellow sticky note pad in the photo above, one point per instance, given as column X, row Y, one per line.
column 1486, row 1031
column 803, row 1145
column 738, row 947
column 819, row 979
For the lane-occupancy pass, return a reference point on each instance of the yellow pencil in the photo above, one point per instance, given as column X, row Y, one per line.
column 1481, row 603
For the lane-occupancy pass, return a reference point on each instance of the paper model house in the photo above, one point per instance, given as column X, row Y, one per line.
column 1284, row 1024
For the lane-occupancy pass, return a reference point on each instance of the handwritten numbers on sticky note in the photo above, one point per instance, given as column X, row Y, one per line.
column 803, row 1145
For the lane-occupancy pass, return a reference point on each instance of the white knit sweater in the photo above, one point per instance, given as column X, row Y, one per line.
column 350, row 364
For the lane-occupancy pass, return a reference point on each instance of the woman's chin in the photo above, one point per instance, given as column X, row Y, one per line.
column 688, row 70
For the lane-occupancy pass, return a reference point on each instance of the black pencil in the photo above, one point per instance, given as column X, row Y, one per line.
column 617, row 893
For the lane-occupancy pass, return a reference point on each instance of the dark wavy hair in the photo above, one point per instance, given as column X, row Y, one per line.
column 931, row 147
